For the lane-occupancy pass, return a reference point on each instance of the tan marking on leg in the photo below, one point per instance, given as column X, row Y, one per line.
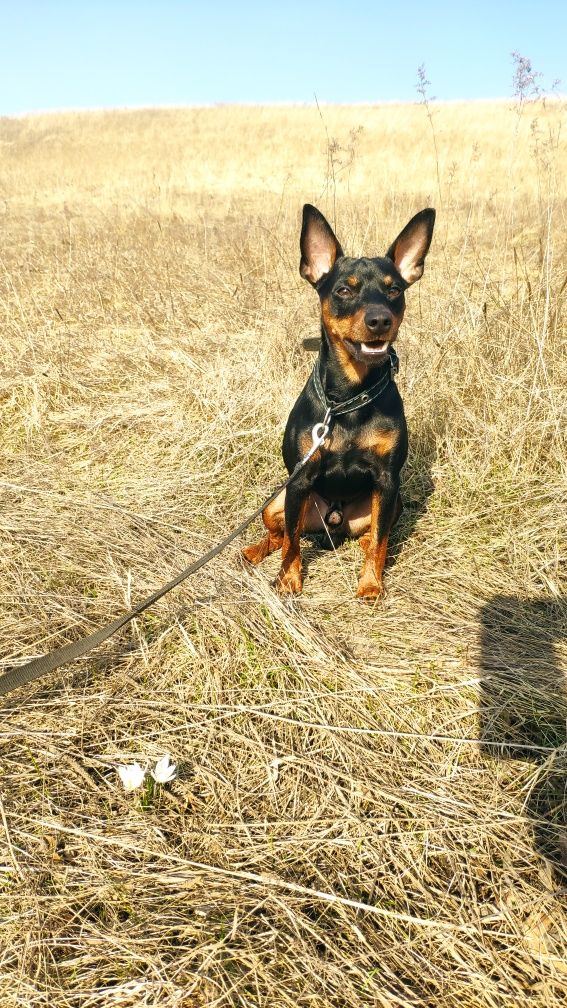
column 370, row 585
column 274, row 521
column 257, row 552
column 289, row 580
column 357, row 515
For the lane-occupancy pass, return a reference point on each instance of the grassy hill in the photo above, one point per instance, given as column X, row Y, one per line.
column 370, row 807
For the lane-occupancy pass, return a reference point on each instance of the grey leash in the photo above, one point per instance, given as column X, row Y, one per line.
column 20, row 675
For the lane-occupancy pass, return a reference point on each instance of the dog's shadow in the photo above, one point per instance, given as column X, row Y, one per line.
column 523, row 709
column 416, row 489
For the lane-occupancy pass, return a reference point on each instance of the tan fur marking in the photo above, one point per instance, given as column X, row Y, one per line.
column 352, row 281
column 305, row 443
column 352, row 327
column 388, row 281
column 289, row 580
column 370, row 581
column 370, row 584
column 273, row 518
column 379, row 441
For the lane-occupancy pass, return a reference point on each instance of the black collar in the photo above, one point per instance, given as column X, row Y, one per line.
column 389, row 371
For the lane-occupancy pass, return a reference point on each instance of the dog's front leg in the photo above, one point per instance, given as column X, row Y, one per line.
column 289, row 580
column 384, row 501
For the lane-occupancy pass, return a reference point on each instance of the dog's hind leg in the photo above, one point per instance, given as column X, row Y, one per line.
column 274, row 521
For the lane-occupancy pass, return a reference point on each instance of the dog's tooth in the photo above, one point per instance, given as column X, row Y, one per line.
column 374, row 348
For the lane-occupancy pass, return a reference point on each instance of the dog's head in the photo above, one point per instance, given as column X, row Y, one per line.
column 362, row 300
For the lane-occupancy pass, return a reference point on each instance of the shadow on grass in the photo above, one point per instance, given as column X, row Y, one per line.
column 416, row 489
column 523, row 709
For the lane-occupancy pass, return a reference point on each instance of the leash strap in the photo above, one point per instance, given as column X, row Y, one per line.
column 363, row 398
column 20, row 675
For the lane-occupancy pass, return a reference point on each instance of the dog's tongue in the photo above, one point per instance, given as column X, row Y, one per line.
column 374, row 348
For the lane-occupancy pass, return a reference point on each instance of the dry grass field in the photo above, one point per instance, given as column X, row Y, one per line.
column 370, row 806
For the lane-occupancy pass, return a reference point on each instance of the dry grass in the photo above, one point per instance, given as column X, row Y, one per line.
column 371, row 803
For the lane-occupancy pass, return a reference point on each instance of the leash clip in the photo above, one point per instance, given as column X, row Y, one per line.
column 320, row 431
column 318, row 434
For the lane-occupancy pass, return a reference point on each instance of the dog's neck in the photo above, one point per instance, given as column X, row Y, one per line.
column 341, row 376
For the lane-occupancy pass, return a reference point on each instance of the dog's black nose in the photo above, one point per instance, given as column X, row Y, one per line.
column 378, row 320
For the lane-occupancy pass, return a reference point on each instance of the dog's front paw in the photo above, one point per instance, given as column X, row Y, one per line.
column 370, row 588
column 289, row 582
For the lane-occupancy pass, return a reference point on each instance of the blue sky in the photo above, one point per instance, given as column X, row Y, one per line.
column 98, row 54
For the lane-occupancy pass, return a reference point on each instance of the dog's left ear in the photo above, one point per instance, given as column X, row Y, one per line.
column 410, row 248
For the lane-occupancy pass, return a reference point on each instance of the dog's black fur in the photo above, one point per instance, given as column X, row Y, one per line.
column 351, row 484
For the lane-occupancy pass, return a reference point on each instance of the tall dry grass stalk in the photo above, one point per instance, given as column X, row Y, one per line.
column 371, row 802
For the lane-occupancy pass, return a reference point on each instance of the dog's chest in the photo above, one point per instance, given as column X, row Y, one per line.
column 349, row 461
column 362, row 446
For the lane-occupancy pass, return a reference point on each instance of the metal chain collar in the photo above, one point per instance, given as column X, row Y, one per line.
column 357, row 401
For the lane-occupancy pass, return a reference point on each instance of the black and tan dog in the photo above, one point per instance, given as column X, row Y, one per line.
column 350, row 485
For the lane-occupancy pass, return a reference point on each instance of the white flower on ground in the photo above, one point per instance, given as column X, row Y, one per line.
column 275, row 769
column 132, row 776
column 165, row 771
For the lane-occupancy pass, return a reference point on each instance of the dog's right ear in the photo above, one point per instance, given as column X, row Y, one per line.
column 319, row 247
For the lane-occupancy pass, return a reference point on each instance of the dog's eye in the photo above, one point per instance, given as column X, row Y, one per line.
column 394, row 292
column 344, row 293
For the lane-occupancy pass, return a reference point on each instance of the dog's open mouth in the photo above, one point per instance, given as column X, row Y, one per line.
column 375, row 352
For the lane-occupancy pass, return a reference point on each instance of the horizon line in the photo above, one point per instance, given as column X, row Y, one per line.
column 554, row 97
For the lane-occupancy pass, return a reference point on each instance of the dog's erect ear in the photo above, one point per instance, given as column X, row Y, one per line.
column 410, row 248
column 319, row 247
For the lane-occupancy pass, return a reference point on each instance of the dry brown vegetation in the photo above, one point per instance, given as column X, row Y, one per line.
column 370, row 808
